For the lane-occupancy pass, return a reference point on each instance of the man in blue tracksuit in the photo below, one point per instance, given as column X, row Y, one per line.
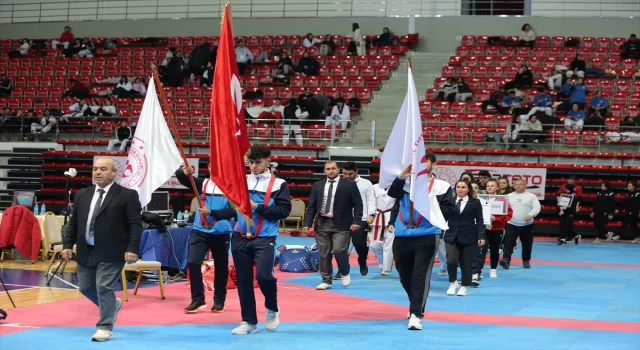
column 416, row 243
column 215, row 236
column 271, row 202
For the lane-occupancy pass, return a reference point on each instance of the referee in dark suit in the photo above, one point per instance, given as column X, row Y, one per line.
column 336, row 206
column 105, row 227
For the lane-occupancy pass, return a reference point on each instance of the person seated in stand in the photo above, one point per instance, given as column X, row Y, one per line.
column 565, row 89
column 275, row 112
column 534, row 133
column 78, row 110
column 541, row 103
column 579, row 93
column 328, row 46
column 631, row 48
column 386, row 38
column 138, row 87
column 307, row 66
column 310, row 41
column 524, row 78
column 6, row 85
column 124, row 136
column 510, row 103
column 243, row 57
column 447, row 91
column 555, row 79
column 304, row 98
column 285, row 66
column 47, row 122
column 207, row 75
column 464, row 91
column 527, row 36
column 24, row 47
column 578, row 66
column 340, row 113
column 599, row 104
column 575, row 118
column 594, row 120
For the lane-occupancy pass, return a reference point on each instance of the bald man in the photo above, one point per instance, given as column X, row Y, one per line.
column 105, row 228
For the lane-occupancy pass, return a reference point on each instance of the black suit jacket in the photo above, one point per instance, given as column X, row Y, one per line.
column 117, row 228
column 466, row 227
column 347, row 204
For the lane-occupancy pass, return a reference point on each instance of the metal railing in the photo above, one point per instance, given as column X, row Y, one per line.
column 366, row 134
column 67, row 11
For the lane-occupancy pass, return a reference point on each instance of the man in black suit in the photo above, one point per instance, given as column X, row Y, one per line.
column 105, row 227
column 336, row 206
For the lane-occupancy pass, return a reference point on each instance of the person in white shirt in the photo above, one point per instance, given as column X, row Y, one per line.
column 77, row 109
column 243, row 57
column 340, row 113
column 309, row 41
column 527, row 36
column 381, row 239
column 525, row 207
column 356, row 37
column 123, row 88
column 359, row 237
column 47, row 122
column 24, row 47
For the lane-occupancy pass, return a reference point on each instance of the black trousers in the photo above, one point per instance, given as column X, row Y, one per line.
column 199, row 243
column 414, row 258
column 359, row 240
column 512, row 233
column 260, row 250
column 600, row 221
column 566, row 226
column 460, row 254
column 494, row 239
column 630, row 221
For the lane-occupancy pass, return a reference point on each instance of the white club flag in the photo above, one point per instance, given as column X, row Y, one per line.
column 404, row 147
column 153, row 156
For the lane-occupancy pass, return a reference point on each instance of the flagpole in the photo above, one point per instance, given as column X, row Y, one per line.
column 174, row 128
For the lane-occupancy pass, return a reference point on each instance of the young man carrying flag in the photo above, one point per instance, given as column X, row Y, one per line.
column 423, row 204
column 270, row 202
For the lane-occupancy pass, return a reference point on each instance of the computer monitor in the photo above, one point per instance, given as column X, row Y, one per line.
column 159, row 202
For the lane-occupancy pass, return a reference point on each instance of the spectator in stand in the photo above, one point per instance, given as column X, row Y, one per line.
column 594, row 120
column 358, row 40
column 65, row 39
column 510, row 103
column 243, row 57
column 579, row 94
column 106, row 110
column 310, row 41
column 340, row 113
column 169, row 56
column 527, row 36
column 603, row 212
column 578, row 66
column 138, row 87
column 307, row 66
column 73, row 49
column 599, row 104
column 47, row 121
column 628, row 124
column 200, row 56
column 541, row 102
column 123, row 89
column 631, row 206
column 77, row 90
column 87, row 48
column 304, row 98
column 175, row 72
column 567, row 213
column 275, row 112
column 124, row 135
column 386, row 38
column 207, row 75
column 565, row 89
column 524, row 78
column 555, row 79
column 292, row 118
column 631, row 48
column 464, row 92
column 622, row 136
column 6, row 85
column 285, row 66
column 447, row 91
column 535, row 132
column 25, row 45
column 328, row 46
column 505, row 188
column 77, row 110
column 575, row 118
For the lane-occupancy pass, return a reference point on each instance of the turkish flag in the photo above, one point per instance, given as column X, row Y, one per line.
column 229, row 140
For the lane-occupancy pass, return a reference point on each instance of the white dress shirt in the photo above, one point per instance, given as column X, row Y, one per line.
column 368, row 197
column 464, row 202
column 326, row 194
column 96, row 195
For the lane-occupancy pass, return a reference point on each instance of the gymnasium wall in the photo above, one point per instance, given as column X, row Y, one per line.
column 437, row 34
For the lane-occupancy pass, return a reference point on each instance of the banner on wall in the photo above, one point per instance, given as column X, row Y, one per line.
column 536, row 177
column 171, row 183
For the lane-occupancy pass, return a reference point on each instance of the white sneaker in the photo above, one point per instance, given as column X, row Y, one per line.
column 452, row 288
column 323, row 286
column 273, row 320
column 384, row 273
column 493, row 273
column 381, row 267
column 118, row 307
column 609, row 236
column 102, row 335
column 636, row 240
column 346, row 280
column 475, row 279
column 245, row 328
column 462, row 292
column 615, row 238
column 415, row 324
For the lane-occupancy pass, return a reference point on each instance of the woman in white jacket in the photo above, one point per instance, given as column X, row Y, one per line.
column 356, row 37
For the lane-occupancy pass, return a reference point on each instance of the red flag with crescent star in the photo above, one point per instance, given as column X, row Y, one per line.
column 229, row 142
